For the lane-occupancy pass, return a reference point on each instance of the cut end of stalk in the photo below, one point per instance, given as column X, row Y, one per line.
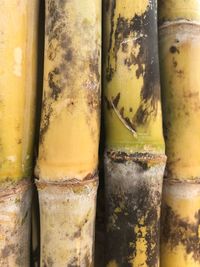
column 67, row 212
column 15, row 203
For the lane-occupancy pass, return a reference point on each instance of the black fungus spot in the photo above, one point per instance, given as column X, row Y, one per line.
column 173, row 49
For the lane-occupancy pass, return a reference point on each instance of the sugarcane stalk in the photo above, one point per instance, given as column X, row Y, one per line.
column 18, row 46
column 179, row 39
column 134, row 156
column 69, row 132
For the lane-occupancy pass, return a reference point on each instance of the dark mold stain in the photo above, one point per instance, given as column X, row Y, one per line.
column 74, row 262
column 69, row 55
column 87, row 261
column 8, row 250
column 55, row 83
column 24, row 219
column 50, row 262
column 110, row 70
column 139, row 209
column 77, row 234
column 93, row 94
column 116, row 100
column 94, row 65
column 47, row 111
column 174, row 62
column 144, row 27
column 107, row 4
column 173, row 49
column 107, row 103
column 176, row 230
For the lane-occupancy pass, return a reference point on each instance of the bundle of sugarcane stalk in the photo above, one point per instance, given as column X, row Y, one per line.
column 134, row 156
column 69, row 132
column 18, row 47
column 180, row 62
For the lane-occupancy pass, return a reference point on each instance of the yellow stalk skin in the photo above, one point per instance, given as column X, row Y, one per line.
column 179, row 61
column 134, row 157
column 171, row 10
column 69, row 132
column 18, row 87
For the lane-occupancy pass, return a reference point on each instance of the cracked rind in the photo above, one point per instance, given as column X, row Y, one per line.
column 133, row 197
column 131, row 76
column 180, row 231
column 15, row 214
column 71, row 97
column 67, row 212
column 173, row 10
column 179, row 64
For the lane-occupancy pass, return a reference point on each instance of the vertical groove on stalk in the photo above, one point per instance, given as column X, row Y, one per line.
column 179, row 40
column 134, row 156
column 69, row 132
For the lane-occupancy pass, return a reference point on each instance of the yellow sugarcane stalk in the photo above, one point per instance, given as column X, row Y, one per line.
column 69, row 133
column 180, row 63
column 134, row 156
column 18, row 46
